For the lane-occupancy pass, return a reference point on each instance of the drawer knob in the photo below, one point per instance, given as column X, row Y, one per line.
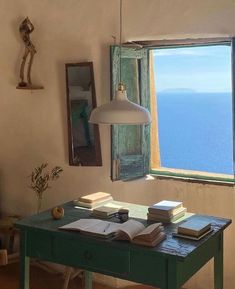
column 88, row 255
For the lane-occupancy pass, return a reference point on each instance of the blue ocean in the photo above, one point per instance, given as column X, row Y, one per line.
column 195, row 131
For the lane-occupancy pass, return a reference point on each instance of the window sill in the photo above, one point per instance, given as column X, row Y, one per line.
column 193, row 176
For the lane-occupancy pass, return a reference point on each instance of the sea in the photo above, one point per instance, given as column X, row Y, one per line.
column 195, row 131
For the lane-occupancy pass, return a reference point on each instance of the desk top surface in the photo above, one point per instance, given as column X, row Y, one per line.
column 171, row 245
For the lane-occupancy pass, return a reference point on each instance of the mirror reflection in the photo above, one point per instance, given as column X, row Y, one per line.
column 84, row 140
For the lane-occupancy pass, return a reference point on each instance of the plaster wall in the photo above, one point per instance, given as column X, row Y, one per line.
column 33, row 124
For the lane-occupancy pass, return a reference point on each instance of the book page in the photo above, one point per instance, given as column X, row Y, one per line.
column 129, row 229
column 161, row 236
column 93, row 227
column 149, row 232
column 104, row 229
column 81, row 224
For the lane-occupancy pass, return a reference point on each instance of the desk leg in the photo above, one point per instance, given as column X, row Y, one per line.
column 172, row 279
column 88, row 280
column 24, row 262
column 218, row 264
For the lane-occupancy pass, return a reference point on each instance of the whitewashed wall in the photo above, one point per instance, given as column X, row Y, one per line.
column 33, row 125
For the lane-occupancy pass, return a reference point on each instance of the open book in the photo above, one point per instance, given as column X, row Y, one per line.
column 131, row 230
column 137, row 233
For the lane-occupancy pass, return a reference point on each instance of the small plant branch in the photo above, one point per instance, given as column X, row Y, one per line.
column 40, row 180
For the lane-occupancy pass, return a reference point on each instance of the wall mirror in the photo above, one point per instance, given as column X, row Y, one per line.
column 84, row 138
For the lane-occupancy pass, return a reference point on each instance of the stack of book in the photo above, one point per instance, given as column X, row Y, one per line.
column 106, row 211
column 93, row 200
column 166, row 211
column 193, row 229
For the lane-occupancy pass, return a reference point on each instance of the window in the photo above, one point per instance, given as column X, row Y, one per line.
column 188, row 90
column 194, row 108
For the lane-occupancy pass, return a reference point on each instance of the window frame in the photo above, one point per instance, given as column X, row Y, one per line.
column 187, row 175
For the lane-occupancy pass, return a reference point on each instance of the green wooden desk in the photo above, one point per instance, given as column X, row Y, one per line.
column 168, row 266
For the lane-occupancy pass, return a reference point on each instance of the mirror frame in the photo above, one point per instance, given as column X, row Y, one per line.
column 98, row 158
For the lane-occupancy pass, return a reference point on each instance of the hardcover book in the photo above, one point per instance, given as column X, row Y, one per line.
column 165, row 207
column 166, row 213
column 96, row 197
column 106, row 211
column 194, row 228
column 167, row 219
column 192, row 237
column 93, row 204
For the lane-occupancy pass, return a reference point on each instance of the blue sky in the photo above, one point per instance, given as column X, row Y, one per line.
column 203, row 69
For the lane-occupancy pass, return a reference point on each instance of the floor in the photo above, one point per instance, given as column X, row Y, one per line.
column 39, row 279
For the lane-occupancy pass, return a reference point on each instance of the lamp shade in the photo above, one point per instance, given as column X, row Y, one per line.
column 120, row 111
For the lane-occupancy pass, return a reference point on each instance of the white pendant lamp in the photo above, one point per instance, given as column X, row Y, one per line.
column 120, row 110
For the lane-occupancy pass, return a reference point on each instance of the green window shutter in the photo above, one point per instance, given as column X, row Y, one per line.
column 130, row 143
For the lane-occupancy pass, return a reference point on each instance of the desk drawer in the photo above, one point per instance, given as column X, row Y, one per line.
column 39, row 245
column 94, row 256
column 148, row 268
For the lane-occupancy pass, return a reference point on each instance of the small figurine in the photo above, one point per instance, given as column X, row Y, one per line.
column 26, row 27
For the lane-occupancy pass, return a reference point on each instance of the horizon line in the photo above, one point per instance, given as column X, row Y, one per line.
column 191, row 91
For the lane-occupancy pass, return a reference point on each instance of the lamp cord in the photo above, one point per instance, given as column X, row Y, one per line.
column 120, row 45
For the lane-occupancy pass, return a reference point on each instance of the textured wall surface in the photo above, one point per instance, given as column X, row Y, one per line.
column 33, row 125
